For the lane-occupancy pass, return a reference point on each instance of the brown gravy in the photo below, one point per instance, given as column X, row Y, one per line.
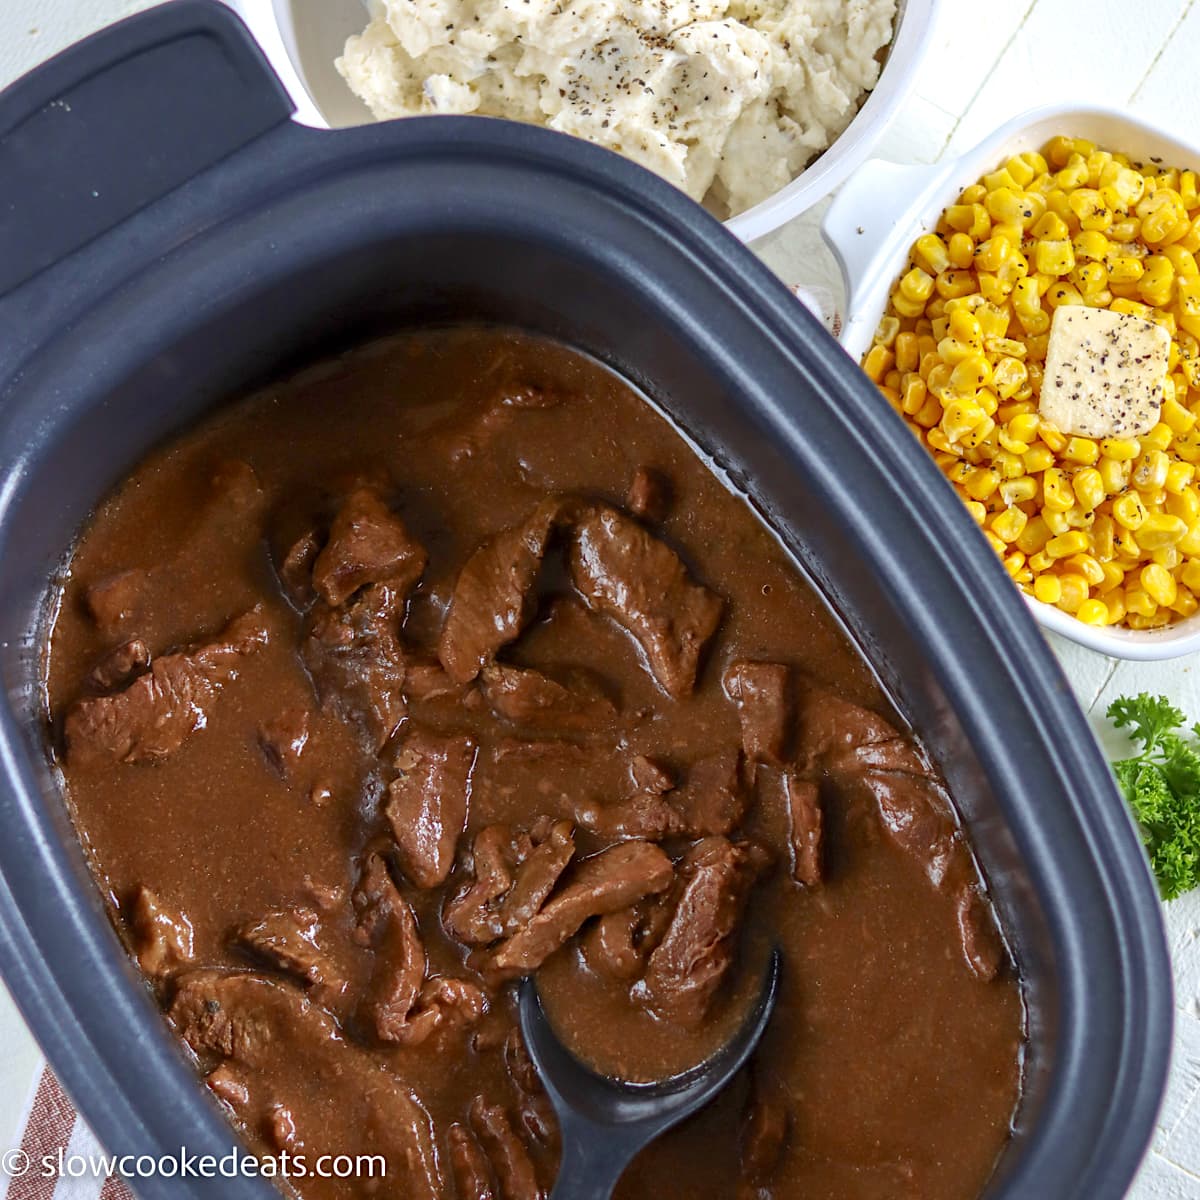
column 284, row 722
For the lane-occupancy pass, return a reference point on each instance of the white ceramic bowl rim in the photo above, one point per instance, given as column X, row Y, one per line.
column 885, row 206
column 306, row 70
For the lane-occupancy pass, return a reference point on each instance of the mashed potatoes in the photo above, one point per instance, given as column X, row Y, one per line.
column 728, row 99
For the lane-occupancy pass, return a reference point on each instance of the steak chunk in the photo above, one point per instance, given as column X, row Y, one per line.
column 624, row 572
column 120, row 664
column 294, row 566
column 607, row 882
column 712, row 800
column 473, row 1179
column 162, row 936
column 612, row 946
column 117, row 600
column 161, row 709
column 368, row 543
column 387, row 926
column 760, row 691
column 428, row 801
column 531, row 699
column 509, row 1158
column 356, row 661
column 513, row 874
column 861, row 751
column 649, row 495
column 696, row 952
column 281, row 1044
column 806, row 823
column 401, row 1005
column 493, row 598
column 287, row 938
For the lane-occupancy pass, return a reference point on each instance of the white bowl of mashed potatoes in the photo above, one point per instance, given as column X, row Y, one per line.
column 757, row 108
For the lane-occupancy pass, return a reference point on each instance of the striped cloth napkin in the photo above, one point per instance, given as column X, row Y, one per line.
column 54, row 1139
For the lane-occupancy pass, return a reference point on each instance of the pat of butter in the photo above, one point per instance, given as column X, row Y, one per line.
column 1104, row 372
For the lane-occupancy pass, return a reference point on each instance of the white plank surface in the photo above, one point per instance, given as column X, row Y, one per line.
column 989, row 59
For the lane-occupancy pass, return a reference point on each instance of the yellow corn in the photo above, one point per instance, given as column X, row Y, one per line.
column 1047, row 588
column 1107, row 529
column 1159, row 584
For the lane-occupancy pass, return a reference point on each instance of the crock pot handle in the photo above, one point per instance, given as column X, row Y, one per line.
column 120, row 119
column 881, row 200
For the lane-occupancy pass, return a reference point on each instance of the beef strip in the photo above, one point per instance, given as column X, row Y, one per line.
column 401, row 1005
column 712, row 800
column 534, row 700
column 697, row 950
column 120, row 664
column 288, row 939
column 357, row 662
column 610, row 880
column 426, row 679
column 806, row 824
column 472, row 1172
column 639, row 581
column 368, row 543
column 859, row 749
column 649, row 495
column 294, row 566
column 509, row 1158
column 162, row 936
column 284, row 738
column 161, row 709
column 116, row 600
column 512, row 874
column 387, row 926
column 612, row 946
column 535, row 1113
column 271, row 1033
column 493, row 597
column 760, row 692
column 428, row 802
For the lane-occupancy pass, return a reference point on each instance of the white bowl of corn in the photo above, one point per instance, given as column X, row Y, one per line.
column 954, row 276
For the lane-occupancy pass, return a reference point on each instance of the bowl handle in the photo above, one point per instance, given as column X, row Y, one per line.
column 879, row 201
column 120, row 119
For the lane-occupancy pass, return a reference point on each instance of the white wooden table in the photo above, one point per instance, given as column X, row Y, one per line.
column 991, row 60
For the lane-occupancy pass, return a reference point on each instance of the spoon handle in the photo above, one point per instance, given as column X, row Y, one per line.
column 590, row 1166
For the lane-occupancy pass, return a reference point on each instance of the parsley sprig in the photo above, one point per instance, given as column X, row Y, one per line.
column 1162, row 786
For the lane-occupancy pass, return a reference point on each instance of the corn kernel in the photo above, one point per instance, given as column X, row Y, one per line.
column 1034, row 536
column 1088, row 567
column 1074, row 542
column 1007, row 525
column 1089, row 488
column 1057, row 493
column 1160, row 529
column 1121, row 449
column 1081, row 450
column 1092, row 612
column 1150, row 471
column 1159, row 584
column 1140, row 602
column 1129, row 511
column 1074, row 592
column 1047, row 589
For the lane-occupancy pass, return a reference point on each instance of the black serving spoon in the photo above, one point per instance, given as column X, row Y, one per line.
column 605, row 1122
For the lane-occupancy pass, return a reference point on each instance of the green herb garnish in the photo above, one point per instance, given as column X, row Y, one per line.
column 1162, row 786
